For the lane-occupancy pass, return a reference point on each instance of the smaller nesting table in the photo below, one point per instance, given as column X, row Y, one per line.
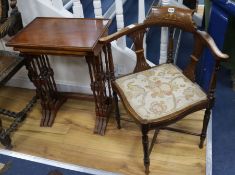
column 67, row 36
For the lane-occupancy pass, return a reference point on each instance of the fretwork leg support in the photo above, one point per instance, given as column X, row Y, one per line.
column 117, row 113
column 42, row 76
column 145, row 143
column 204, row 128
column 100, row 76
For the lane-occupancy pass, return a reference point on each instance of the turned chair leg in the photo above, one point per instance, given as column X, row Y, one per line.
column 145, row 142
column 117, row 113
column 204, row 128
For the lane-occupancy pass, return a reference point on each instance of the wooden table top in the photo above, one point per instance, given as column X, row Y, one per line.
column 60, row 34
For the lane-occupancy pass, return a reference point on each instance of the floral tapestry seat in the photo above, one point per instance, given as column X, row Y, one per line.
column 156, row 93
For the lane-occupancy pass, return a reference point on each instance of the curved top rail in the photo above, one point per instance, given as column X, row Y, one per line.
column 173, row 17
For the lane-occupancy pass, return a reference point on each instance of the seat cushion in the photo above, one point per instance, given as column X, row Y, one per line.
column 159, row 91
column 9, row 63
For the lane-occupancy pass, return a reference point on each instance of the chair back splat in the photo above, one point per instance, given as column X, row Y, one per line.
column 170, row 48
column 137, row 38
column 158, row 96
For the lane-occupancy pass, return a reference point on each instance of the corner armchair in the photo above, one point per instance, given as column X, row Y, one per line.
column 158, row 96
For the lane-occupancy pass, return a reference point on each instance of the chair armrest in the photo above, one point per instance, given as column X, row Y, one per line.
column 125, row 31
column 210, row 43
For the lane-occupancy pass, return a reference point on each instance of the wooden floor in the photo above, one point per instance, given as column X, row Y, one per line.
column 71, row 140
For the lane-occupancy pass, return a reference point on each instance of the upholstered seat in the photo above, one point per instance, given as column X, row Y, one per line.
column 158, row 92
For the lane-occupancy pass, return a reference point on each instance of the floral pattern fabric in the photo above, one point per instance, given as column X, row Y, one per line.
column 159, row 91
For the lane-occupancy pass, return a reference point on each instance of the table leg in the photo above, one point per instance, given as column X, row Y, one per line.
column 101, row 74
column 42, row 76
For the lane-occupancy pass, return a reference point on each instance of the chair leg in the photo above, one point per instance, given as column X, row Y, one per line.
column 153, row 140
column 204, row 128
column 145, row 142
column 5, row 140
column 117, row 113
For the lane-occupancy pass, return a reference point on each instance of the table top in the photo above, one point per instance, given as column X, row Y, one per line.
column 60, row 34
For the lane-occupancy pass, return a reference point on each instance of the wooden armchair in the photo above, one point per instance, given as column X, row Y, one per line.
column 161, row 95
column 10, row 63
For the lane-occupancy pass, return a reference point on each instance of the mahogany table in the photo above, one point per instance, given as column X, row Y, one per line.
column 67, row 36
